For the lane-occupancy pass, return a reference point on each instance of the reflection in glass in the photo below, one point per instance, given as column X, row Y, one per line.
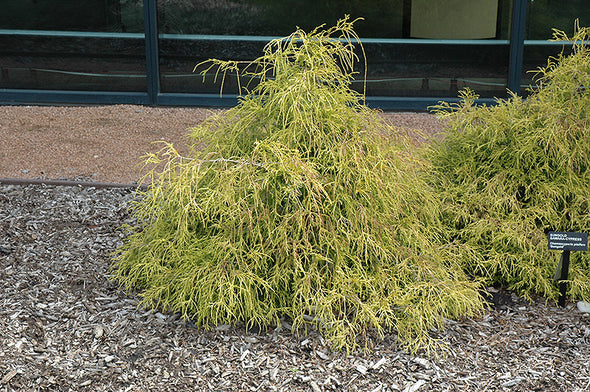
column 545, row 15
column 398, row 65
column 277, row 18
column 67, row 15
column 88, row 45
column 434, row 69
column 542, row 17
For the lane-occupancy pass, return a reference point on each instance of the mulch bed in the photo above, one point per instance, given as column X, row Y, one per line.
column 65, row 327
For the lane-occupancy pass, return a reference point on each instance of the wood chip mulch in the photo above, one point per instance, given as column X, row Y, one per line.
column 65, row 327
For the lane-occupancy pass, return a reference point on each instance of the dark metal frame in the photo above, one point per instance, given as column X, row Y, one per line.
column 517, row 30
column 150, row 15
column 153, row 95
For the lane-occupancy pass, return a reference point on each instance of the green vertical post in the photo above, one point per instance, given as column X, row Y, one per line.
column 517, row 29
column 565, row 265
column 151, row 50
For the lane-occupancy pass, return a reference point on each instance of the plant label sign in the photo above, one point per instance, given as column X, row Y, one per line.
column 566, row 240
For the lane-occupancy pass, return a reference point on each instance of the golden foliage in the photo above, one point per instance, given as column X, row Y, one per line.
column 301, row 204
column 512, row 172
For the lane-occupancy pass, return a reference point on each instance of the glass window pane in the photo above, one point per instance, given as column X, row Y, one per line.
column 545, row 15
column 542, row 17
column 408, row 54
column 437, row 69
column 88, row 45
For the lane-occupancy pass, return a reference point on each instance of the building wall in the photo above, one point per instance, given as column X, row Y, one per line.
column 416, row 49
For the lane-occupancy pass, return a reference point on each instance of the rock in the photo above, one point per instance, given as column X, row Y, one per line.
column 584, row 306
column 98, row 331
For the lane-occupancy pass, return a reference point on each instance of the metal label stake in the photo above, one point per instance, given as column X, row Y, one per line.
column 565, row 241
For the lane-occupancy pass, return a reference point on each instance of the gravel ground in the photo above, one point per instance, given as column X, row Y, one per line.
column 106, row 143
column 65, row 327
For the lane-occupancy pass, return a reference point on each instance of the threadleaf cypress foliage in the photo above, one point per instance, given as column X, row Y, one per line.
column 298, row 203
column 512, row 172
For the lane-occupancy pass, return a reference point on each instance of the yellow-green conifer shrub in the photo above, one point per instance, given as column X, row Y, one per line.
column 300, row 203
column 512, row 172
